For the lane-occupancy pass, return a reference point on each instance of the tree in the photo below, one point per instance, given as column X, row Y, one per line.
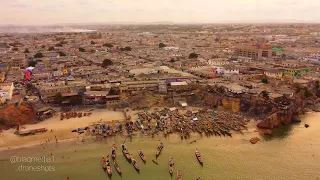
column 92, row 42
column 82, row 49
column 127, row 48
column 26, row 50
column 193, row 55
column 15, row 49
column 32, row 63
column 307, row 93
column 108, row 45
column 62, row 53
column 51, row 48
column 114, row 91
column 264, row 80
column 265, row 94
column 162, row 45
column 172, row 60
column 29, row 86
column 106, row 63
column 317, row 84
column 58, row 98
column 38, row 55
column 59, row 45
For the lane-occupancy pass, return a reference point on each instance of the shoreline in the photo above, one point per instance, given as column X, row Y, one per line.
column 56, row 129
column 65, row 135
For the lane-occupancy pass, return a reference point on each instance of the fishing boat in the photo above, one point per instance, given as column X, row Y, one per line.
column 171, row 166
column 143, row 158
column 159, row 149
column 125, row 152
column 109, row 170
column 198, row 155
column 104, row 164
column 113, row 152
column 117, row 167
column 134, row 163
column 138, row 124
column 179, row 175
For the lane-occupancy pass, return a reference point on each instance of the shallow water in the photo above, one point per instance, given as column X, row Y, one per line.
column 291, row 153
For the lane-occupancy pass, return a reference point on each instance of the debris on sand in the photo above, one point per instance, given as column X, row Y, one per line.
column 254, row 140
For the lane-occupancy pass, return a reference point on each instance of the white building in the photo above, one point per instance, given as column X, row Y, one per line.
column 6, row 90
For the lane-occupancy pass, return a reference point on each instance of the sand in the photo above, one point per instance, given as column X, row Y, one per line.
column 60, row 129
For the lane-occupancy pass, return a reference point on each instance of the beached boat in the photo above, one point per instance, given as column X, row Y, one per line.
column 138, row 124
column 179, row 175
column 143, row 158
column 171, row 166
column 198, row 155
column 125, row 152
column 134, row 163
column 109, row 170
column 113, row 153
column 117, row 167
column 159, row 149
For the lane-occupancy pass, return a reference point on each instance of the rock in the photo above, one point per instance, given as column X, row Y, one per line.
column 306, row 125
column 254, row 140
column 267, row 132
column 265, row 125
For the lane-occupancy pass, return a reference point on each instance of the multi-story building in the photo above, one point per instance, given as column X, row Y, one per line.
column 256, row 52
column 48, row 94
column 6, row 90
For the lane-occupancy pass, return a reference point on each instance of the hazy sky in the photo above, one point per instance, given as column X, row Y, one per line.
column 206, row 11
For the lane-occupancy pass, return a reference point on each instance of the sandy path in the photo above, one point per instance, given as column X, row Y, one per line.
column 60, row 129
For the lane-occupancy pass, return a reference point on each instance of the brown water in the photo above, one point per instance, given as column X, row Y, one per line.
column 292, row 153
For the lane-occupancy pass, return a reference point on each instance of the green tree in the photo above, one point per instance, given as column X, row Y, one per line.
column 51, row 48
column 26, row 50
column 106, row 63
column 265, row 94
column 32, row 63
column 62, row 53
column 82, row 49
column 172, row 60
column 264, row 80
column 193, row 55
column 58, row 98
column 38, row 55
column 162, row 45
column 317, row 84
column 108, row 45
column 307, row 93
column 114, row 91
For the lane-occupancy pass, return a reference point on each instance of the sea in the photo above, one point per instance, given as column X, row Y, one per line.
column 291, row 153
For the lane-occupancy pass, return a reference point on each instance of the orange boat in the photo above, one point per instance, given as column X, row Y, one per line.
column 179, row 175
column 198, row 155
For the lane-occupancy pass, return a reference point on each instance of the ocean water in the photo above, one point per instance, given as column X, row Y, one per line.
column 292, row 153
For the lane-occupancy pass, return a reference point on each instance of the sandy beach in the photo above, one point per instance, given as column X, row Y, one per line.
column 60, row 129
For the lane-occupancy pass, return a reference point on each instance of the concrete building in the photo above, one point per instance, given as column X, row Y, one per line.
column 274, row 73
column 6, row 90
column 256, row 52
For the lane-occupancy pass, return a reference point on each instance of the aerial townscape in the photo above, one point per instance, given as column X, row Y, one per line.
column 148, row 90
